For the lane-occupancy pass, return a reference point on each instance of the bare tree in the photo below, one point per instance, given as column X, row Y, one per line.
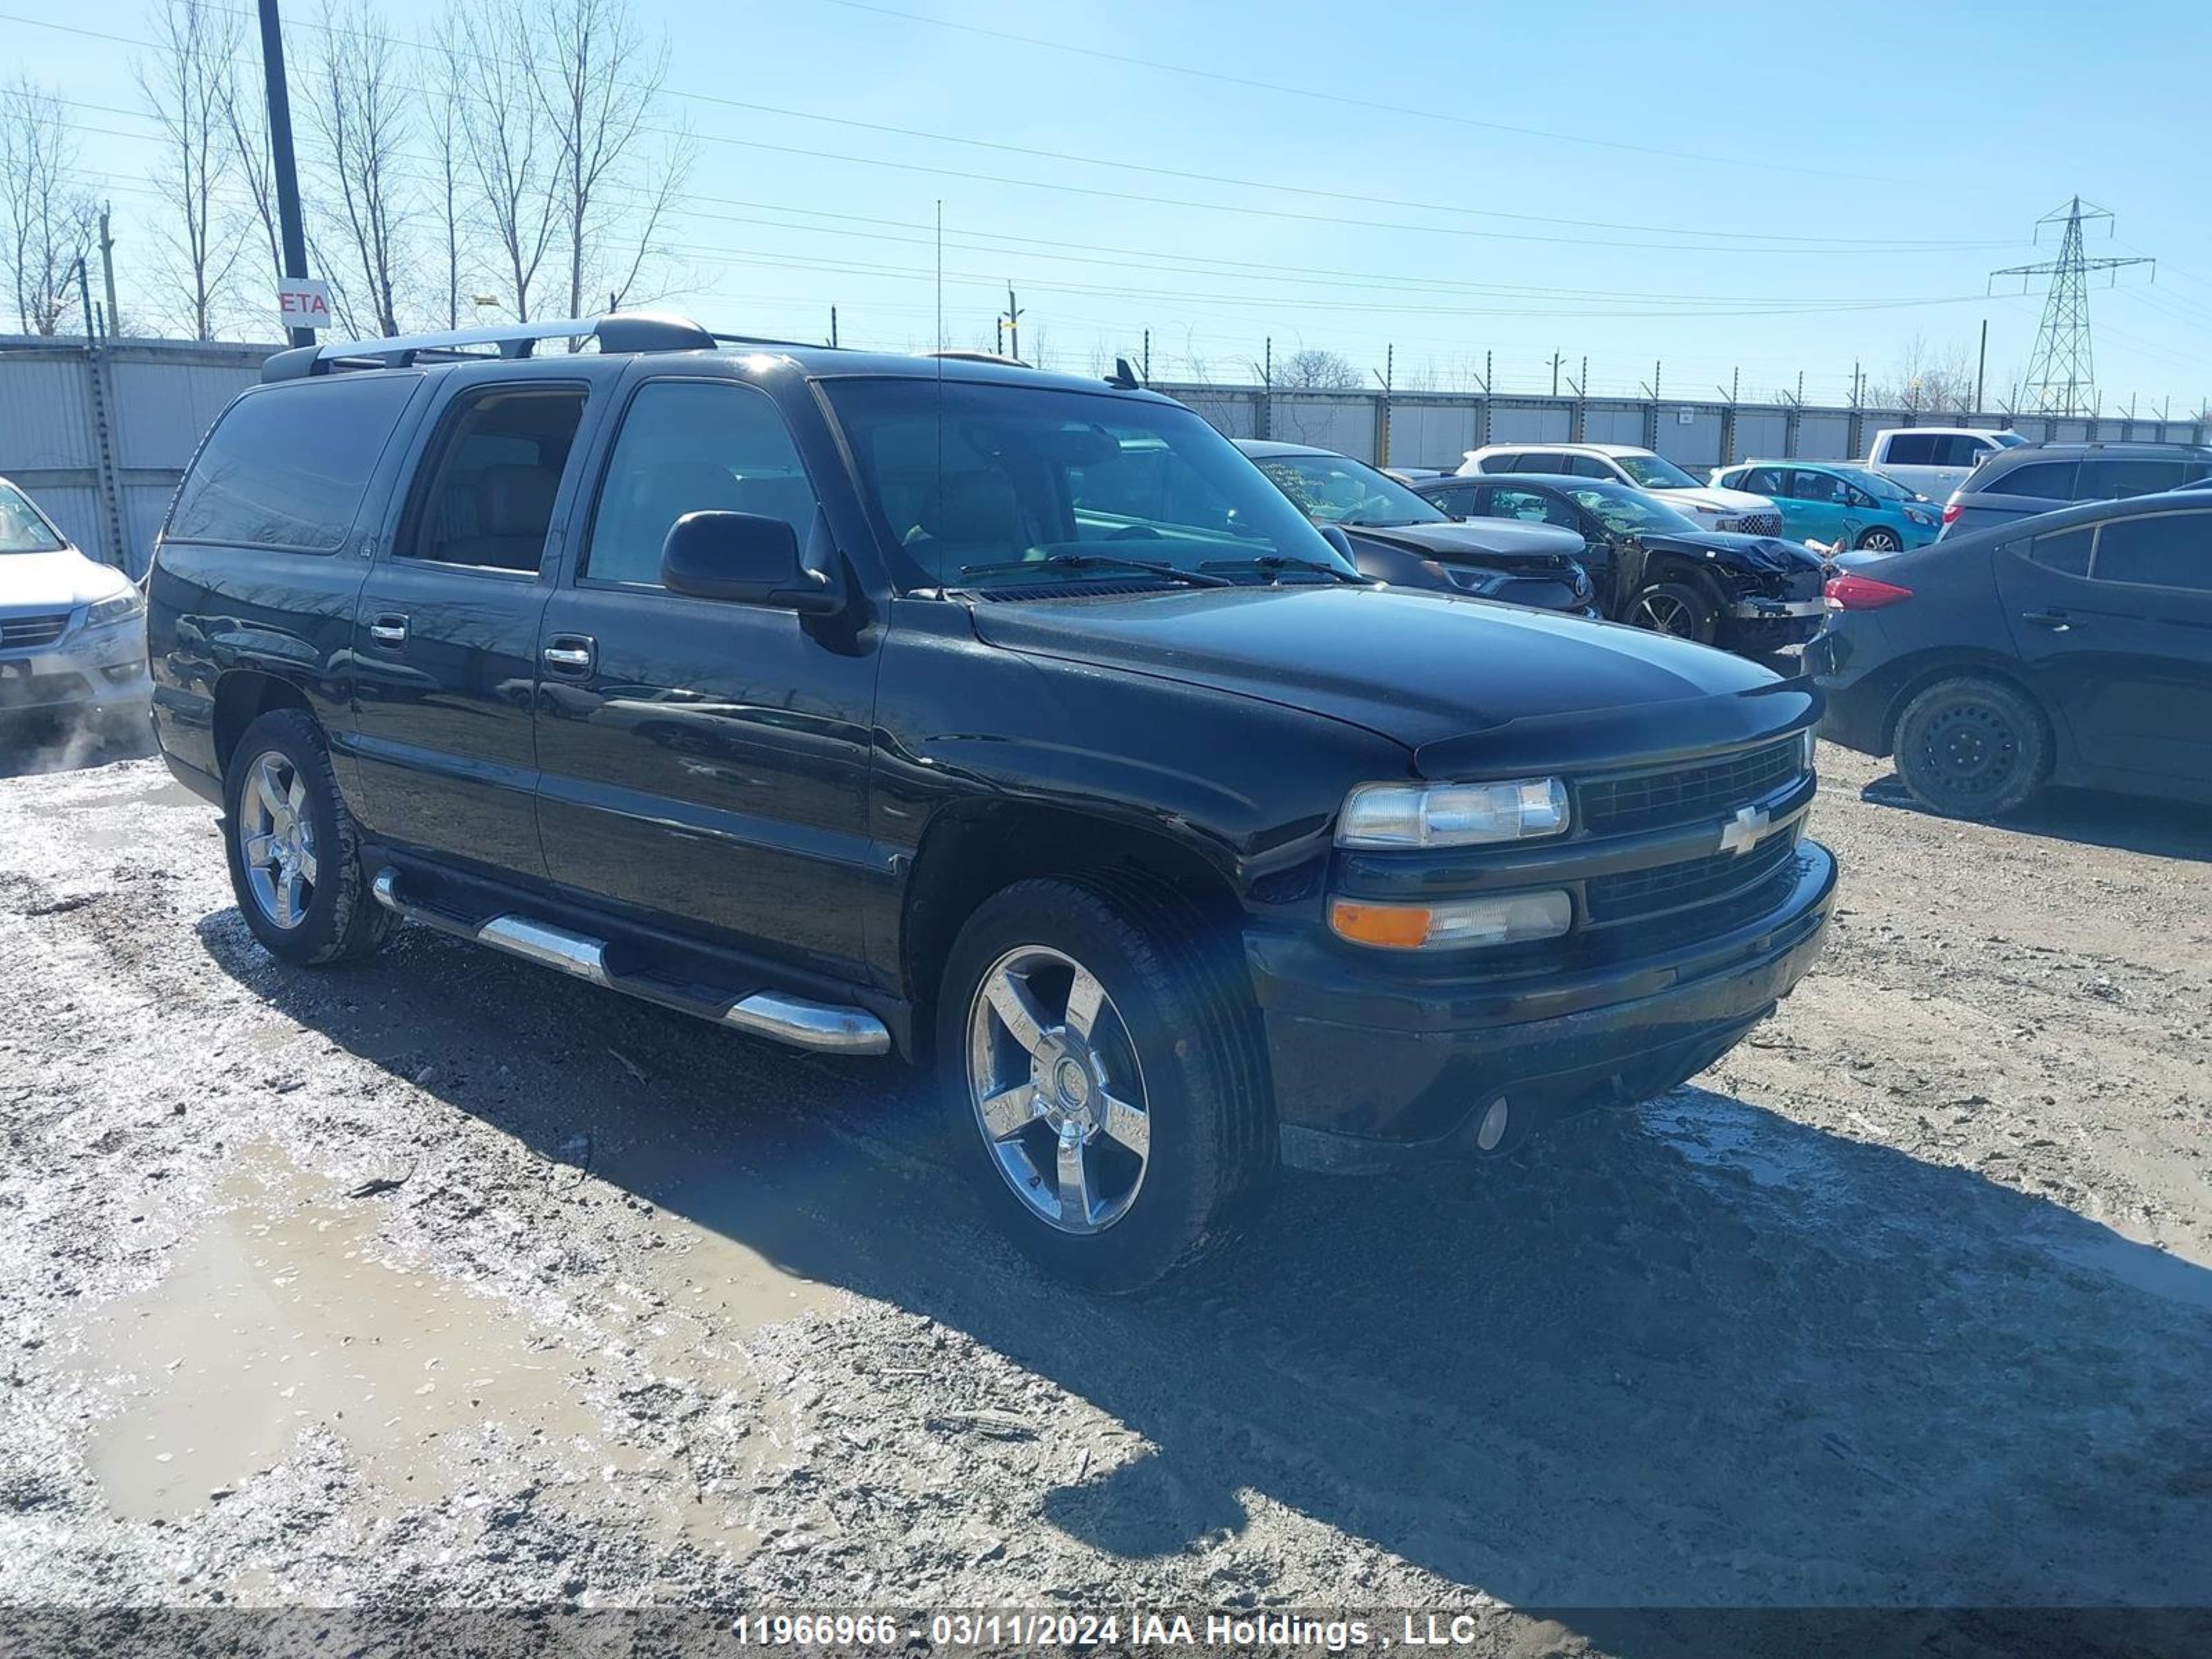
column 357, row 112
column 599, row 89
column 1308, row 369
column 46, row 220
column 190, row 87
column 1926, row 377
column 444, row 86
column 512, row 153
column 247, row 120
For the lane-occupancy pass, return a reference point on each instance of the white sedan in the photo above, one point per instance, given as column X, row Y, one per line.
column 72, row 630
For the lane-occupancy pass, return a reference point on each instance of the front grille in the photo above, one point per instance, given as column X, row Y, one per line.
column 23, row 632
column 1659, row 800
column 1760, row 523
column 1663, row 887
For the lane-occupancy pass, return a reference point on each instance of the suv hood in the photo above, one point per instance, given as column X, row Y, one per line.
column 1497, row 543
column 1419, row 667
column 60, row 580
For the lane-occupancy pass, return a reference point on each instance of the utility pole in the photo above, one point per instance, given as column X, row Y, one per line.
column 1981, row 365
column 279, row 153
column 107, row 266
column 1148, row 357
column 1013, row 323
column 2062, row 371
column 1555, row 373
column 833, row 327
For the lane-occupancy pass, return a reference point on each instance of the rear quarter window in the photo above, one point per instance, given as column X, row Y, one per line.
column 287, row 467
column 2048, row 481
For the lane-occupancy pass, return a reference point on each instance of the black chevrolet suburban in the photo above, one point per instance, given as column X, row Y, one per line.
column 1007, row 720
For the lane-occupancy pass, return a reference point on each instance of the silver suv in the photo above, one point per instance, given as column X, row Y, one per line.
column 2018, row 483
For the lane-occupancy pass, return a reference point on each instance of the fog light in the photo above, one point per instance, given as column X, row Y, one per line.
column 1499, row 919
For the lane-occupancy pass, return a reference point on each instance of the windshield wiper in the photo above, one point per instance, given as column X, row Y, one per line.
column 1276, row 564
column 1064, row 562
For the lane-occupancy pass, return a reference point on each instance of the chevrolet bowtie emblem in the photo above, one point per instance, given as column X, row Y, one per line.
column 1745, row 830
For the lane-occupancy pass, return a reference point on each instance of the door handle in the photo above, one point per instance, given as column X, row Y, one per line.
column 569, row 653
column 2057, row 620
column 389, row 629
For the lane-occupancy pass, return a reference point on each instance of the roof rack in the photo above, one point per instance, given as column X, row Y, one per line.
column 617, row 331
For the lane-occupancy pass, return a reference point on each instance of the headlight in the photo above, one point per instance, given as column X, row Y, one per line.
column 1498, row 919
column 120, row 608
column 1452, row 814
column 1925, row 520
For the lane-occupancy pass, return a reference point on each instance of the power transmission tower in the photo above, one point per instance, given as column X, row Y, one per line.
column 2061, row 372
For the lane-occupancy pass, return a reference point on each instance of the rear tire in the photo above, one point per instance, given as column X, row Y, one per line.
column 1164, row 1031
column 1675, row 609
column 1971, row 748
column 293, row 850
column 1879, row 539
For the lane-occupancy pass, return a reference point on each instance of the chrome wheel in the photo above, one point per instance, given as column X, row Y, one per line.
column 1663, row 613
column 1880, row 541
column 276, row 839
column 1059, row 1097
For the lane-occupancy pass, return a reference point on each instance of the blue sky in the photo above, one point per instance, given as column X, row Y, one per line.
column 1721, row 190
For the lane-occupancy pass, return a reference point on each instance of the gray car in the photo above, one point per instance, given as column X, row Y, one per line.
column 2033, row 478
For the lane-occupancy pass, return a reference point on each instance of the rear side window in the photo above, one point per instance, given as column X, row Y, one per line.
column 1536, row 460
column 2047, row 481
column 1912, row 449
column 2068, row 551
column 1763, row 481
column 1510, row 461
column 2115, row 478
column 484, row 497
column 287, row 467
column 2173, row 550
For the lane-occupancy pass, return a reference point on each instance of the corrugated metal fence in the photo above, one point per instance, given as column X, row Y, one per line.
column 100, row 438
column 1435, row 430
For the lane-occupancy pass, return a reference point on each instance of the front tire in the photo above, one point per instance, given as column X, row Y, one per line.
column 1675, row 609
column 1971, row 748
column 1103, row 1078
column 293, row 848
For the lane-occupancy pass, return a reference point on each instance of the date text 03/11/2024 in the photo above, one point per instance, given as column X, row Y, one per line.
column 1144, row 1629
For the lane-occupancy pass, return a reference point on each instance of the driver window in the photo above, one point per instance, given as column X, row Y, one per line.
column 692, row 446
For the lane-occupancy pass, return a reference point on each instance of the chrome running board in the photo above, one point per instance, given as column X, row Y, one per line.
column 823, row 1027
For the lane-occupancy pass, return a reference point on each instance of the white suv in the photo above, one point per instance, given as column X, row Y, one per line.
column 1708, row 508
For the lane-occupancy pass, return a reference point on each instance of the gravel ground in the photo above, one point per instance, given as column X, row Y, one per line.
column 444, row 1281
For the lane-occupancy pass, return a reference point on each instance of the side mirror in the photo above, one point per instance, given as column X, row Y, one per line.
column 745, row 559
column 1334, row 536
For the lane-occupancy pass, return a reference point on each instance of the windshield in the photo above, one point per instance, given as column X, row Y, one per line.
column 2005, row 440
column 981, row 486
column 23, row 528
column 1628, row 514
column 1337, row 489
column 1656, row 472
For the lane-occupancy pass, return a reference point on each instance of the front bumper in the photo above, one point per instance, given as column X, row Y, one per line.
column 86, row 670
column 1370, row 1068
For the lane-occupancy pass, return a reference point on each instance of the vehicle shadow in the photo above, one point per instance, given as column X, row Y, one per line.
column 2127, row 823
column 1696, row 1356
column 34, row 744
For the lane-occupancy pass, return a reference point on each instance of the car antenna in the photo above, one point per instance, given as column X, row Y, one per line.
column 1123, row 377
